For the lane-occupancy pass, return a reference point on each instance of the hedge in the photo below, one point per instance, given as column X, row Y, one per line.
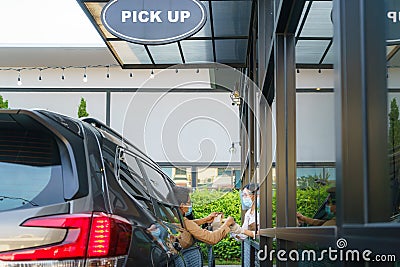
column 207, row 201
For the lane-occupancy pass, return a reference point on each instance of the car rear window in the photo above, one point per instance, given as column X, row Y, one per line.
column 30, row 169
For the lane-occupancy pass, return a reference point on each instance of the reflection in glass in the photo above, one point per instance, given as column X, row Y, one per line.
column 231, row 18
column 166, row 54
column 160, row 186
column 394, row 155
column 231, row 50
column 197, row 50
column 310, row 51
column 130, row 53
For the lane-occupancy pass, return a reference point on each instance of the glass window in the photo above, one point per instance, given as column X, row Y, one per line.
column 310, row 51
column 146, row 203
column 318, row 22
column 231, row 18
column 182, row 176
column 160, row 187
column 167, row 171
column 197, row 50
column 217, row 178
column 31, row 172
column 394, row 159
column 179, row 171
column 168, row 214
column 231, row 50
column 222, row 171
column 330, row 174
column 129, row 165
column 166, row 54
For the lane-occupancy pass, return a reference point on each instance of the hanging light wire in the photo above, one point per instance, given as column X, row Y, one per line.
column 85, row 77
column 19, row 82
column 42, row 68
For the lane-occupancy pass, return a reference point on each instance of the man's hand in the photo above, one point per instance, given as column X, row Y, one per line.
column 300, row 217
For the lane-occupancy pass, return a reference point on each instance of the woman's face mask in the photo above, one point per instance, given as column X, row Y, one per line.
column 247, row 202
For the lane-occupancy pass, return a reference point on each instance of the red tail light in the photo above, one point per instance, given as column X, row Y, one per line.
column 94, row 235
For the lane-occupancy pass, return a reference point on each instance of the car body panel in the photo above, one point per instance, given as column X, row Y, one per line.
column 94, row 177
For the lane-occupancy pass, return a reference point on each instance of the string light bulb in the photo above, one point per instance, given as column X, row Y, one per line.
column 176, row 71
column 19, row 82
column 197, row 71
column 131, row 74
column 63, row 76
column 152, row 74
column 40, row 74
column 108, row 72
column 85, row 79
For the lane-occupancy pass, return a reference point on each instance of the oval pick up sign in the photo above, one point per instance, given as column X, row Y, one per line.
column 153, row 22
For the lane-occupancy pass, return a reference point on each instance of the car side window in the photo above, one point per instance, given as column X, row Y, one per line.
column 146, row 203
column 130, row 177
column 161, row 188
column 168, row 214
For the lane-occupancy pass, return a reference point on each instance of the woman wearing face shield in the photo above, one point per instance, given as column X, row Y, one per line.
column 249, row 227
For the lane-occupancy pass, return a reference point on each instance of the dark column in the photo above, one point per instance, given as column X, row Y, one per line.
column 194, row 176
column 361, row 109
column 286, row 134
column 108, row 107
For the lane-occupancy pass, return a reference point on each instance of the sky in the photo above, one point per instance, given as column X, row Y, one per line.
column 46, row 23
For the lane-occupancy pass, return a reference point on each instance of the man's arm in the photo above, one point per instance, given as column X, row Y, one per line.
column 206, row 236
column 208, row 219
column 309, row 221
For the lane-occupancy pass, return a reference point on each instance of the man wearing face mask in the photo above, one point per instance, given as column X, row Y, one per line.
column 192, row 227
column 155, row 231
column 330, row 210
column 248, row 229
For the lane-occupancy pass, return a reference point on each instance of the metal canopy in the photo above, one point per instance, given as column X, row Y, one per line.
column 223, row 38
column 314, row 37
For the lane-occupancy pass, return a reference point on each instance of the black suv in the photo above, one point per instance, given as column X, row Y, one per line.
column 75, row 193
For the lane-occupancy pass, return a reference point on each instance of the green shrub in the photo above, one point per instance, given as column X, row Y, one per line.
column 82, row 109
column 310, row 199
column 3, row 103
column 204, row 202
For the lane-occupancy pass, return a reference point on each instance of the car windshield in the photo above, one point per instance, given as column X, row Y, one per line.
column 30, row 168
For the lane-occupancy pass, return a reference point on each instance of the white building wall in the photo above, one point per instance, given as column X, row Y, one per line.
column 315, row 124
column 190, row 126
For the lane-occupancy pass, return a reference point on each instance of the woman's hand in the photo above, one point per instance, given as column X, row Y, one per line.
column 229, row 221
column 211, row 216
